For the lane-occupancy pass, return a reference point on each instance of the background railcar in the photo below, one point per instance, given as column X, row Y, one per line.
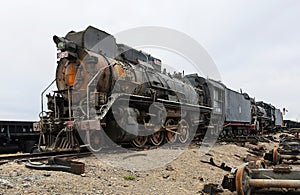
column 288, row 124
column 214, row 97
column 17, row 136
column 266, row 116
column 278, row 119
column 237, row 113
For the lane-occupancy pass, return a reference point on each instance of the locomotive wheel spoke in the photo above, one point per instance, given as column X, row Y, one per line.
column 140, row 141
column 171, row 137
column 157, row 138
column 184, row 131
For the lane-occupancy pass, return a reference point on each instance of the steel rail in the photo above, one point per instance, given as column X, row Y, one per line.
column 40, row 156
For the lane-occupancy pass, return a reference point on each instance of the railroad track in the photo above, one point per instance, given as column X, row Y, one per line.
column 46, row 155
column 41, row 156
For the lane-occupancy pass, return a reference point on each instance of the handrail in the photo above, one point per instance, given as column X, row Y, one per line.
column 42, row 95
column 88, row 90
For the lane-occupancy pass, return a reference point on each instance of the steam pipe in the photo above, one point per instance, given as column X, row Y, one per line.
column 88, row 89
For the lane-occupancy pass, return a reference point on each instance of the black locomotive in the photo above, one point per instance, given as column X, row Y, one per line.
column 110, row 91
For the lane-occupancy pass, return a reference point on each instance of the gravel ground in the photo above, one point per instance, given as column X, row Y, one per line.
column 184, row 175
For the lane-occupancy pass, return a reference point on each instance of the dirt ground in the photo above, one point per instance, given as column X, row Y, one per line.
column 184, row 175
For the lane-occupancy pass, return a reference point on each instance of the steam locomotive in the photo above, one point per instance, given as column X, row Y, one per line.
column 111, row 92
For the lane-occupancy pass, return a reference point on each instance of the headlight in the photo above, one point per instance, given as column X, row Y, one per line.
column 61, row 45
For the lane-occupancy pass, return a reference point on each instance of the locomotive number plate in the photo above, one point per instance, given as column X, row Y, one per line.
column 62, row 55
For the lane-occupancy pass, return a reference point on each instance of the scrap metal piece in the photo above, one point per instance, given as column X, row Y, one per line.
column 277, row 155
column 241, row 177
column 241, row 139
column 267, row 183
column 289, row 150
column 257, row 164
column 229, row 182
column 211, row 189
column 250, row 158
column 247, row 179
column 257, row 153
column 282, row 168
column 58, row 164
column 223, row 166
column 254, row 147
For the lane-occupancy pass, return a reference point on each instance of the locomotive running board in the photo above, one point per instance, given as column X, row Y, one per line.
column 133, row 98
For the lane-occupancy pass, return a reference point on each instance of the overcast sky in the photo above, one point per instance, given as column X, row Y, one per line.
column 255, row 44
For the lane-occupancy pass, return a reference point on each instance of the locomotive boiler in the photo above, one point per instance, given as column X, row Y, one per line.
column 109, row 91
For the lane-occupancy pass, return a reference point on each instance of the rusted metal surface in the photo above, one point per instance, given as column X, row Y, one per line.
column 275, row 156
column 211, row 189
column 58, row 164
column 271, row 174
column 252, row 139
column 241, row 177
column 267, row 183
column 250, row 178
column 288, row 150
column 41, row 156
column 221, row 166
column 282, row 168
column 293, row 157
column 254, row 147
column 250, row 158
column 294, row 130
column 229, row 182
column 258, row 164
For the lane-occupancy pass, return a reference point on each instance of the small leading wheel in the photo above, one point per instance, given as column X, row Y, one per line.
column 157, row 138
column 95, row 141
column 184, row 131
column 241, row 181
column 140, row 141
column 276, row 157
column 171, row 136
